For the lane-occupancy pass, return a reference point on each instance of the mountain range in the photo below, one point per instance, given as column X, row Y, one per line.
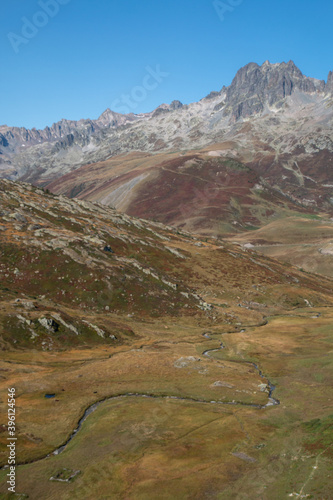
column 272, row 121
column 271, row 95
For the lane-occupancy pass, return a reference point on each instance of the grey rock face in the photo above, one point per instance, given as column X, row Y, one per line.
column 160, row 111
column 61, row 134
column 3, row 141
column 19, row 217
column 212, row 95
column 329, row 84
column 165, row 108
column 176, row 105
column 255, row 86
column 49, row 324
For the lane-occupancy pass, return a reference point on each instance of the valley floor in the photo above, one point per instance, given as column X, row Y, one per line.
column 219, row 440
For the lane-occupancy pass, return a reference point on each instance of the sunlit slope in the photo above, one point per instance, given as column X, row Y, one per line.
column 210, row 365
column 304, row 241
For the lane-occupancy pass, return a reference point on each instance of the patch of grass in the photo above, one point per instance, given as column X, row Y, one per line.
column 319, row 433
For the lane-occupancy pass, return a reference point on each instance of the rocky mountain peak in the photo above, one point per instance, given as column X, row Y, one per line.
column 329, row 84
column 165, row 108
column 107, row 115
column 293, row 69
column 255, row 86
column 110, row 118
column 176, row 105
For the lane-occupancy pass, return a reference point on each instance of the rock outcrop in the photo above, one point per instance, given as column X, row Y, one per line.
column 255, row 87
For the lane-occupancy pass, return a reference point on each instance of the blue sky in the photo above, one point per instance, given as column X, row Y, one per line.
column 85, row 56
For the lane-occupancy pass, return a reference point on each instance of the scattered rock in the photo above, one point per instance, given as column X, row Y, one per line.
column 65, row 475
column 24, row 320
column 49, row 324
column 67, row 325
column 220, row 383
column 28, row 305
column 175, row 252
column 244, row 456
column 185, row 362
column 204, row 306
column 34, row 227
column 98, row 330
column 19, row 217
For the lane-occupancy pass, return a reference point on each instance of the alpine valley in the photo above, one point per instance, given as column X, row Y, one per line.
column 166, row 297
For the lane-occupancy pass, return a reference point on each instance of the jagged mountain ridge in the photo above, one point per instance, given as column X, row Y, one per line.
column 63, row 133
column 256, row 91
column 255, row 87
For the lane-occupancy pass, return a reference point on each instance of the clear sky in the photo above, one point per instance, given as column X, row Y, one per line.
column 75, row 58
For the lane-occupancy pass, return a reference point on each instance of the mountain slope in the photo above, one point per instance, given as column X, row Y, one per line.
column 142, row 355
column 88, row 257
column 197, row 191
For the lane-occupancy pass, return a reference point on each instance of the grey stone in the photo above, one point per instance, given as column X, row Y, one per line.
column 176, row 105
column 49, row 324
column 19, row 217
column 254, row 86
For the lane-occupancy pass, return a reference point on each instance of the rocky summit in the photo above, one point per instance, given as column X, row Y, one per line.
column 256, row 87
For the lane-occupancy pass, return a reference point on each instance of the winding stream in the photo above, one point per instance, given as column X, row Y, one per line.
column 271, row 400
